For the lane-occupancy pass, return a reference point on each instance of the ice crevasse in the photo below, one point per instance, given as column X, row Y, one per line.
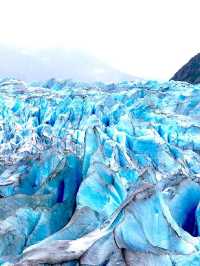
column 99, row 174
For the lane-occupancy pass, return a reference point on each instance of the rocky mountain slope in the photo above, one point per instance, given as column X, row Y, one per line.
column 190, row 72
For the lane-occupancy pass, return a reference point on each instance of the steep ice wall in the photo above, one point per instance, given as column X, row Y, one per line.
column 95, row 174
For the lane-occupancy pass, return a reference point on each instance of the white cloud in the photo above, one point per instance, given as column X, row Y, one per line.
column 145, row 38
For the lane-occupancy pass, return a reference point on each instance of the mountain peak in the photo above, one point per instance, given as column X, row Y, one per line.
column 190, row 72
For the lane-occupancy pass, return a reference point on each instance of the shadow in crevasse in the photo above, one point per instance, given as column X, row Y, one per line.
column 184, row 208
column 190, row 223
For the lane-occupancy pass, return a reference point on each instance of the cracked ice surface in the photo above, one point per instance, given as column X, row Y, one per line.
column 95, row 174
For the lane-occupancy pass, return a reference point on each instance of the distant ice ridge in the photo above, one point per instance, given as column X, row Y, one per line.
column 99, row 174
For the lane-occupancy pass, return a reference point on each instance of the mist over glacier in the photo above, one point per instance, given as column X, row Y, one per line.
column 99, row 174
column 44, row 63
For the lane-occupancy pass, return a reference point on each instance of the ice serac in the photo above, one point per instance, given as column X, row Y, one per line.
column 99, row 174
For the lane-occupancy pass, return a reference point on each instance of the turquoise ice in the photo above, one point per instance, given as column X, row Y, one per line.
column 107, row 173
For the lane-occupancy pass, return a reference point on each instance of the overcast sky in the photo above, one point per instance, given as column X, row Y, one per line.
column 146, row 38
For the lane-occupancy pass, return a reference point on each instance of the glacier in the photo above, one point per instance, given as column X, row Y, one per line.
column 99, row 174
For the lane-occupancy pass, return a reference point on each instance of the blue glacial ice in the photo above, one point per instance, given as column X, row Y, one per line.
column 99, row 174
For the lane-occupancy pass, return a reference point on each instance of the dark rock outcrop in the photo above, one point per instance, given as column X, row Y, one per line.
column 190, row 72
